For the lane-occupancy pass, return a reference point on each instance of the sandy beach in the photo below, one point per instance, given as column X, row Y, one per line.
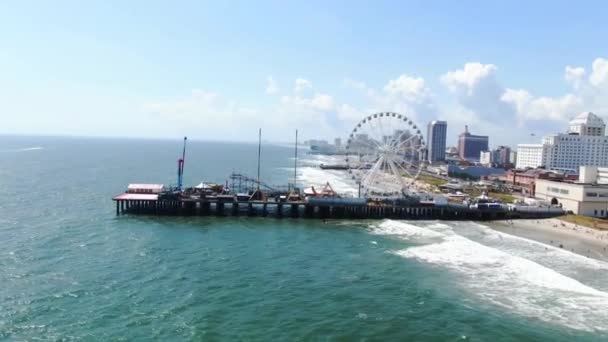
column 575, row 238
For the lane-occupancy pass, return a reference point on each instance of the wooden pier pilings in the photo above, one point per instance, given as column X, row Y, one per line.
column 205, row 207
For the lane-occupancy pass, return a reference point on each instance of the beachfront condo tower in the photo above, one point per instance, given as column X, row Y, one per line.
column 436, row 140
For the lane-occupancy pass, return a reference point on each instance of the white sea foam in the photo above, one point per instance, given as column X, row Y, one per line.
column 440, row 227
column 524, row 276
column 404, row 230
column 23, row 149
column 553, row 253
column 517, row 283
column 465, row 255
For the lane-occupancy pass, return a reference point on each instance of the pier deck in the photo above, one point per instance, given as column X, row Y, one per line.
column 149, row 204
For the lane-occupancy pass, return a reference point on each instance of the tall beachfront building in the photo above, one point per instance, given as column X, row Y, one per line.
column 470, row 146
column 436, row 140
column 529, row 155
column 585, row 143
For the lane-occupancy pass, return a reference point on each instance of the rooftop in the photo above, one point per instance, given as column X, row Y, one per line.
column 530, row 145
column 574, row 182
column 136, row 197
column 587, row 118
column 146, row 186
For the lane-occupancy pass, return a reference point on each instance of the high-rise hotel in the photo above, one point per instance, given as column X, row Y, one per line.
column 470, row 146
column 436, row 140
column 585, row 144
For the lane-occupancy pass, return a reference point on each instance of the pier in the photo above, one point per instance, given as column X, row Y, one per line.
column 141, row 204
column 249, row 196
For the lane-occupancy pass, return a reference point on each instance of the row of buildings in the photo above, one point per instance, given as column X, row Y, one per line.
column 502, row 156
column 471, row 147
column 584, row 143
column 583, row 194
column 568, row 169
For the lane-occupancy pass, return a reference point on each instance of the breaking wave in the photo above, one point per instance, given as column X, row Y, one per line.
column 523, row 276
column 515, row 282
column 403, row 230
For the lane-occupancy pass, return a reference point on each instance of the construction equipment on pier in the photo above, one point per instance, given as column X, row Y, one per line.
column 180, row 167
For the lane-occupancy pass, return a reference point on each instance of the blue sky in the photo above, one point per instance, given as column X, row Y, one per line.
column 219, row 70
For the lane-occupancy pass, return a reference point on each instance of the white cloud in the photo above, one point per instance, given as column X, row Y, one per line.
column 208, row 115
column 360, row 86
column 203, row 95
column 349, row 113
column 599, row 73
column 305, row 108
column 302, row 85
column 492, row 107
column 272, row 87
column 574, row 75
column 201, row 107
column 527, row 107
column 322, row 102
column 482, row 102
column 406, row 94
column 318, row 103
column 519, row 98
column 477, row 89
column 409, row 88
column 468, row 79
column 588, row 95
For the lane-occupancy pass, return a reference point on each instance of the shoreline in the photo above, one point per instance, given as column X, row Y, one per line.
column 554, row 232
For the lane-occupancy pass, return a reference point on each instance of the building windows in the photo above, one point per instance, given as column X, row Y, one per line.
column 558, row 190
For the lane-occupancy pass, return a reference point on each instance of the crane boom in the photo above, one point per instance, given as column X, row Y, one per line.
column 180, row 167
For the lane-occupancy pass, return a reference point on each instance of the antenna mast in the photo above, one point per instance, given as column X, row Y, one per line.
column 259, row 155
column 295, row 164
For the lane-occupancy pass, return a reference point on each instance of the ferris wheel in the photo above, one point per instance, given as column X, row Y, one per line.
column 385, row 155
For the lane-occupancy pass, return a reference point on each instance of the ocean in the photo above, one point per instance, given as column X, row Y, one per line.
column 70, row 269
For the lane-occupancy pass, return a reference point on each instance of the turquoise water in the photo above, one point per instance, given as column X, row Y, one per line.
column 71, row 269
